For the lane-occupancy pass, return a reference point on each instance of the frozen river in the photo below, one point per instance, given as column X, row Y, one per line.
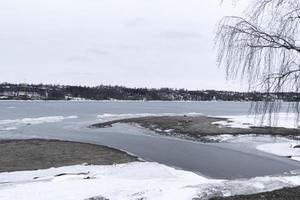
column 69, row 121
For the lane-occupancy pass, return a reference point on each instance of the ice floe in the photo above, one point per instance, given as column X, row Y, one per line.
column 13, row 124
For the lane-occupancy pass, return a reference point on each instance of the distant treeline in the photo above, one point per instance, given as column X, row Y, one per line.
column 66, row 92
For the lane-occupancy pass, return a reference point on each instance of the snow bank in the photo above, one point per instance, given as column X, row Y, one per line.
column 281, row 149
column 117, row 182
column 128, row 182
column 111, row 117
column 286, row 120
column 6, row 125
column 248, row 186
column 286, row 149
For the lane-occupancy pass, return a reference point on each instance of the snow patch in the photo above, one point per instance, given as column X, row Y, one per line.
column 296, row 158
column 138, row 180
column 284, row 147
column 285, row 120
column 119, row 182
column 281, row 149
column 222, row 138
column 247, row 186
column 169, row 130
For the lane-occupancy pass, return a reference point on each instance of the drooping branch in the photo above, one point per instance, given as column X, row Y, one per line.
column 263, row 46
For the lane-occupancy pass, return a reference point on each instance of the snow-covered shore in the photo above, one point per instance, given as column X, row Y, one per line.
column 288, row 149
column 125, row 181
column 283, row 120
column 284, row 147
column 128, row 182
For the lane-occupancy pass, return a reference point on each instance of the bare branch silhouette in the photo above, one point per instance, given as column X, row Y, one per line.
column 263, row 48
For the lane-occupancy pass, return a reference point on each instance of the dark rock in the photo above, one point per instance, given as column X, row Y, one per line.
column 283, row 194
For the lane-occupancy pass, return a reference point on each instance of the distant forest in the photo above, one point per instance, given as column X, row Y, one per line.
column 66, row 92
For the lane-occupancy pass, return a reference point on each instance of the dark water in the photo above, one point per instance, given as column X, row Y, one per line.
column 214, row 160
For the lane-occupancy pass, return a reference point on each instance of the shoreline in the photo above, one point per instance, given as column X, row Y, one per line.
column 197, row 128
column 282, row 194
column 155, row 101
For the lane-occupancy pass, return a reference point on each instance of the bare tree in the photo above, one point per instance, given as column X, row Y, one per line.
column 263, row 47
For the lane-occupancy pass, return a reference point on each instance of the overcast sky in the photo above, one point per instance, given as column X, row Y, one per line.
column 135, row 43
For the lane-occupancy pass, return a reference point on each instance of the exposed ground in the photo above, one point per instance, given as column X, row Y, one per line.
column 283, row 194
column 19, row 155
column 196, row 127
